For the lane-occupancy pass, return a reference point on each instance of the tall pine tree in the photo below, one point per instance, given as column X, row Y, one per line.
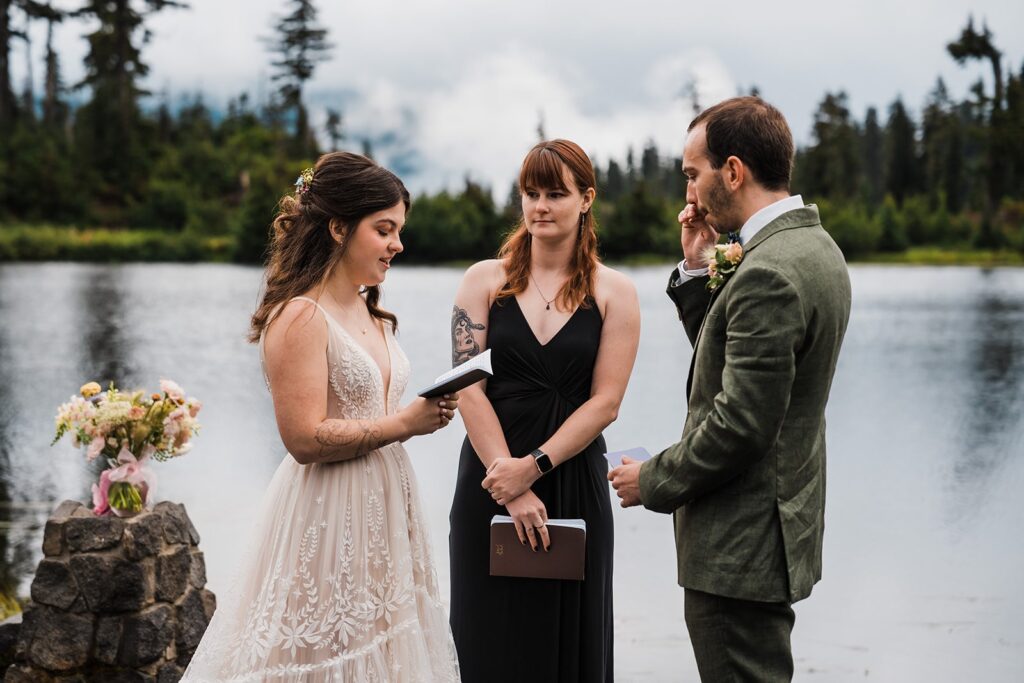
column 1000, row 133
column 901, row 158
column 831, row 167
column 871, row 142
column 299, row 44
column 109, row 129
column 30, row 9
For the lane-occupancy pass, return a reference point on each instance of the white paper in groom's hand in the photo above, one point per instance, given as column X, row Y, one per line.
column 615, row 457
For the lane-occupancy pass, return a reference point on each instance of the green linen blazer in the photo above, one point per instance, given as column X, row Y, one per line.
column 746, row 482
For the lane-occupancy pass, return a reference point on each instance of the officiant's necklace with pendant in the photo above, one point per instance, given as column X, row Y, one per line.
column 547, row 301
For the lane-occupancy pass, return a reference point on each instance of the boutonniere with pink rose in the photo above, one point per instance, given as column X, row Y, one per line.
column 128, row 430
column 723, row 259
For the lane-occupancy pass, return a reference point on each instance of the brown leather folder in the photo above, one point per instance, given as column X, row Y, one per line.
column 564, row 560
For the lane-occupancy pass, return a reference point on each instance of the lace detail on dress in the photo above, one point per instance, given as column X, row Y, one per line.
column 340, row 584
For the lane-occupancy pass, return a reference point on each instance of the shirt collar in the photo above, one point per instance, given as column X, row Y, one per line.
column 766, row 215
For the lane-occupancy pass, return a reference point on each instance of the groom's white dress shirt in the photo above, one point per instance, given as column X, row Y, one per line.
column 753, row 225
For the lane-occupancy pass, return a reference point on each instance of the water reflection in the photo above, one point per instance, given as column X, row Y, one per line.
column 105, row 349
column 991, row 393
column 9, row 569
column 20, row 520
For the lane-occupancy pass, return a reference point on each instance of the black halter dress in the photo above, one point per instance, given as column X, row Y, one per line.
column 538, row 630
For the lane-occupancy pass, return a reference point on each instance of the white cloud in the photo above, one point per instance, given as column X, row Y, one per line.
column 485, row 121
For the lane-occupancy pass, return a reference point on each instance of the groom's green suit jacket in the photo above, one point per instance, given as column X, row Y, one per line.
column 746, row 482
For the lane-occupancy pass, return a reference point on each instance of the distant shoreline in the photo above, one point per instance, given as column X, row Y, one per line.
column 45, row 243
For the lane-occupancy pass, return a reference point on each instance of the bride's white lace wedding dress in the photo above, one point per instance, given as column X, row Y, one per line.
column 339, row 584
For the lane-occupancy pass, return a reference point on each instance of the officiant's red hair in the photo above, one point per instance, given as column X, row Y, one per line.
column 544, row 168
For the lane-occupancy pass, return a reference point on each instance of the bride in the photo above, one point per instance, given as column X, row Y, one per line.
column 340, row 584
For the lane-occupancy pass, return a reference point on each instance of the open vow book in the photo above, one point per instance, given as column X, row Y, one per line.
column 461, row 376
column 563, row 560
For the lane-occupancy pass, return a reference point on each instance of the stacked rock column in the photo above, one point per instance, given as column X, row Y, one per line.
column 114, row 599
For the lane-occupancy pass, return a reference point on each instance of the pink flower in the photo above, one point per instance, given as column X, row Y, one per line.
column 172, row 389
column 95, row 447
column 100, row 502
column 136, row 413
column 734, row 253
column 194, row 406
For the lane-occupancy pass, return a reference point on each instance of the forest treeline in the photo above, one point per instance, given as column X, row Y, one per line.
column 103, row 170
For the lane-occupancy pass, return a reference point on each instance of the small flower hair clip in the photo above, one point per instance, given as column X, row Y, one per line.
column 303, row 182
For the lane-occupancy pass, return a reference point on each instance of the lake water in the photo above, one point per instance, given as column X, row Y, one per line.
column 924, row 563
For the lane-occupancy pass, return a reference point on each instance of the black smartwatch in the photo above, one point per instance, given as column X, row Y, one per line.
column 542, row 460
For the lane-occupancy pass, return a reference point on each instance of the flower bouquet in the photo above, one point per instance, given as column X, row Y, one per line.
column 128, row 430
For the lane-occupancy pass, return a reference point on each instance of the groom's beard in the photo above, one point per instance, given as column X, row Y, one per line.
column 720, row 204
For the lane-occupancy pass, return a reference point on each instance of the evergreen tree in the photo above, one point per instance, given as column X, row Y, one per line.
column 901, row 158
column 1015, row 142
column 615, row 181
column 650, row 166
column 109, row 129
column 30, row 9
column 299, row 45
column 872, row 141
column 831, row 167
column 1000, row 132
column 978, row 45
column 55, row 111
column 940, row 145
column 334, row 131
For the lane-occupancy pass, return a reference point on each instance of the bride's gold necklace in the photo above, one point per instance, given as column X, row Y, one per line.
column 348, row 314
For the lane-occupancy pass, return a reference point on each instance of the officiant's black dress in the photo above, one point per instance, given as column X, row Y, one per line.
column 537, row 630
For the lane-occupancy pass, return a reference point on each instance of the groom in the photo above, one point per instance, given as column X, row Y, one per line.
column 746, row 482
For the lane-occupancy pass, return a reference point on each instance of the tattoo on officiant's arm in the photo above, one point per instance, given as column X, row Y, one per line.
column 365, row 435
column 464, row 343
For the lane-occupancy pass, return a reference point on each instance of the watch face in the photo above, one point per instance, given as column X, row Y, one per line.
column 543, row 461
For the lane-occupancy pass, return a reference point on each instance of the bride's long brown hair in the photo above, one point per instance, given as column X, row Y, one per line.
column 543, row 168
column 345, row 189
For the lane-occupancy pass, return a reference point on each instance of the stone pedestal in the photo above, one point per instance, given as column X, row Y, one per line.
column 114, row 599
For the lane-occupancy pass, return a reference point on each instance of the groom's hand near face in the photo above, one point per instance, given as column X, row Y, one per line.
column 696, row 236
column 625, row 480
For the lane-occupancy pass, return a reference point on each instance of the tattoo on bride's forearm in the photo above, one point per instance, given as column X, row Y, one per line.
column 464, row 343
column 365, row 435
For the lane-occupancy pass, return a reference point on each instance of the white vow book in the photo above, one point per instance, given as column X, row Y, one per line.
column 461, row 376
column 615, row 457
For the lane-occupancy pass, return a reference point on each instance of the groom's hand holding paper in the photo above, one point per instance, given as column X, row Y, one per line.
column 636, row 454
column 625, row 477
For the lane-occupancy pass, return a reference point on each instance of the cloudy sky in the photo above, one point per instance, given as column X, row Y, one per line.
column 454, row 87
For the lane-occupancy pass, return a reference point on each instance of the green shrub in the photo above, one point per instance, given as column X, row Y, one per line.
column 47, row 243
column 851, row 227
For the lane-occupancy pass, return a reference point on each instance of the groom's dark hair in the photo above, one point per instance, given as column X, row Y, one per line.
column 753, row 131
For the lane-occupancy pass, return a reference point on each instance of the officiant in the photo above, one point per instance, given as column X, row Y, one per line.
column 563, row 331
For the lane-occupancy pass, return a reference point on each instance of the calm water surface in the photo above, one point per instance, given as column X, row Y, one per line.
column 923, row 557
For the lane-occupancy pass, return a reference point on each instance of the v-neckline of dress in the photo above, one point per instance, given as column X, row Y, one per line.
column 533, row 334
column 386, row 389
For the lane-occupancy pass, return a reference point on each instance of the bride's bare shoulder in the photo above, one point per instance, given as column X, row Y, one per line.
column 298, row 319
